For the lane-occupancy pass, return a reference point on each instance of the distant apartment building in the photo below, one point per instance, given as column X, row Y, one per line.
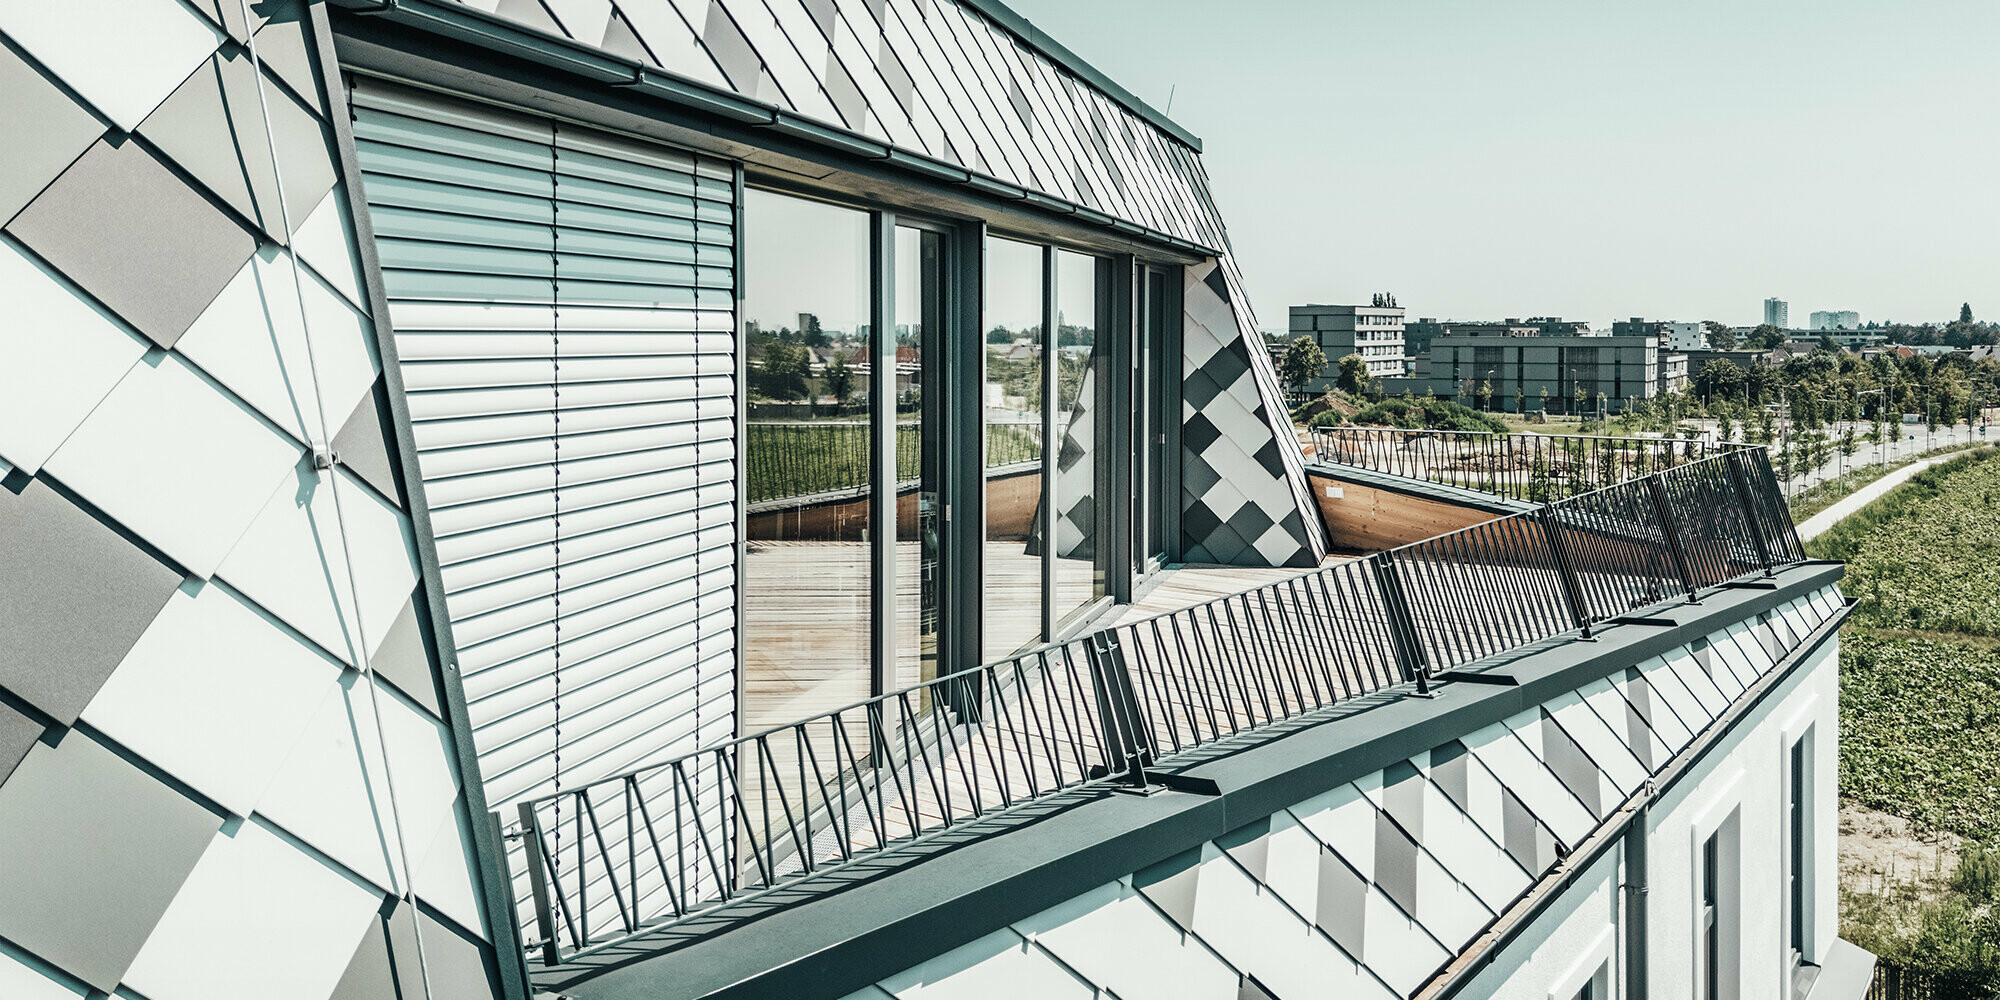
column 1854, row 339
column 1777, row 312
column 1671, row 335
column 1565, row 374
column 1418, row 334
column 1834, row 319
column 1374, row 331
column 1556, row 326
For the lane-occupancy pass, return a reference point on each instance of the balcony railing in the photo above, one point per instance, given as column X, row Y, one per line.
column 597, row 864
column 793, row 460
column 1536, row 468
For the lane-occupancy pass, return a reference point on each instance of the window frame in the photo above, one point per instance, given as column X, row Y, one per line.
column 1120, row 282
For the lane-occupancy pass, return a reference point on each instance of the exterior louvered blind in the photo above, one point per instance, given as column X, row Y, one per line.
column 563, row 301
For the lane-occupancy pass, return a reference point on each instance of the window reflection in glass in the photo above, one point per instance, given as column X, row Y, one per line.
column 806, row 452
column 1079, row 576
column 919, row 317
column 1011, row 403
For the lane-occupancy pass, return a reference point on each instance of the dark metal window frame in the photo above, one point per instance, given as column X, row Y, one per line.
column 1120, row 285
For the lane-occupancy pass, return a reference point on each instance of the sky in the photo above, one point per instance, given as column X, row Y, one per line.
column 1591, row 159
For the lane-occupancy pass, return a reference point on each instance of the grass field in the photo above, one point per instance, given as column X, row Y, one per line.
column 1920, row 707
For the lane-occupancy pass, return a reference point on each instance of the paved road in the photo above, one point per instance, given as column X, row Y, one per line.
column 1864, row 496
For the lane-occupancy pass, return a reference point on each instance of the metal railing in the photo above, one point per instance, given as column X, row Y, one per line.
column 793, row 459
column 1536, row 468
column 597, row 864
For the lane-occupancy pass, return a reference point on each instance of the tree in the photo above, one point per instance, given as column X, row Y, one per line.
column 1354, row 374
column 1725, row 422
column 1720, row 336
column 1965, row 313
column 782, row 373
column 1303, row 362
column 811, row 334
column 1765, row 337
column 839, row 377
column 1485, row 394
column 1766, row 425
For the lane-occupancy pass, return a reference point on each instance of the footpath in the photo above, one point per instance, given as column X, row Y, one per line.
column 1864, row 496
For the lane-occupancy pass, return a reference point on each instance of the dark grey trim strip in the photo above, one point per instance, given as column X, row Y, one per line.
column 911, row 907
column 884, row 475
column 742, row 505
column 1128, row 289
column 1052, row 434
column 1173, row 376
column 496, row 887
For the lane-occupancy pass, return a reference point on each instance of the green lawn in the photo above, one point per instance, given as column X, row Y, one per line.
column 1920, row 706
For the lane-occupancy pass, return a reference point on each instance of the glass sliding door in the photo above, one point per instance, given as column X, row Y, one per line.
column 807, row 327
column 1079, row 491
column 1012, row 397
column 918, row 328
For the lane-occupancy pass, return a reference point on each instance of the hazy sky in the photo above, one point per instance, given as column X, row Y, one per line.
column 1594, row 159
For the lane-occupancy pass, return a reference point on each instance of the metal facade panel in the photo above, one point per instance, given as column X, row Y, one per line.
column 563, row 301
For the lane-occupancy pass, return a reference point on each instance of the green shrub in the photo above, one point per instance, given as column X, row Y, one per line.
column 1428, row 414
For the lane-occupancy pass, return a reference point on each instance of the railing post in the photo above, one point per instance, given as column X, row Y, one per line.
column 1743, row 496
column 1670, row 529
column 1118, row 708
column 1402, row 624
column 538, row 883
column 1572, row 588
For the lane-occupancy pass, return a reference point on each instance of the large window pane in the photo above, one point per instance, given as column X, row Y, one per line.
column 1079, row 574
column 807, row 571
column 1011, row 400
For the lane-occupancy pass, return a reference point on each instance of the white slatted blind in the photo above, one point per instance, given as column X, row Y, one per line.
column 564, row 310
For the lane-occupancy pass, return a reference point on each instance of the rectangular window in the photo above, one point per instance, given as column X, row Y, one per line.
column 1798, row 868
column 1710, row 945
column 1718, row 922
column 1076, row 495
column 809, row 601
column 1012, row 403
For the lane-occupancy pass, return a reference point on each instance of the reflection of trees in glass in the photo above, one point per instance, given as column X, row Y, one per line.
column 781, row 374
column 839, row 378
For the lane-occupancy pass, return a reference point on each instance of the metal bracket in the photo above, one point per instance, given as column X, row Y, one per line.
column 1476, row 677
column 323, row 459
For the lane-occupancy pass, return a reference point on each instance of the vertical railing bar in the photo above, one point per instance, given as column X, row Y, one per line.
column 674, row 883
column 628, row 918
column 538, row 883
column 1670, row 529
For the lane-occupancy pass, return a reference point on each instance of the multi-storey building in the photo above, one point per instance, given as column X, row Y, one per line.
column 1835, row 319
column 1562, row 374
column 1673, row 336
column 1374, row 332
column 443, row 560
column 1777, row 313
